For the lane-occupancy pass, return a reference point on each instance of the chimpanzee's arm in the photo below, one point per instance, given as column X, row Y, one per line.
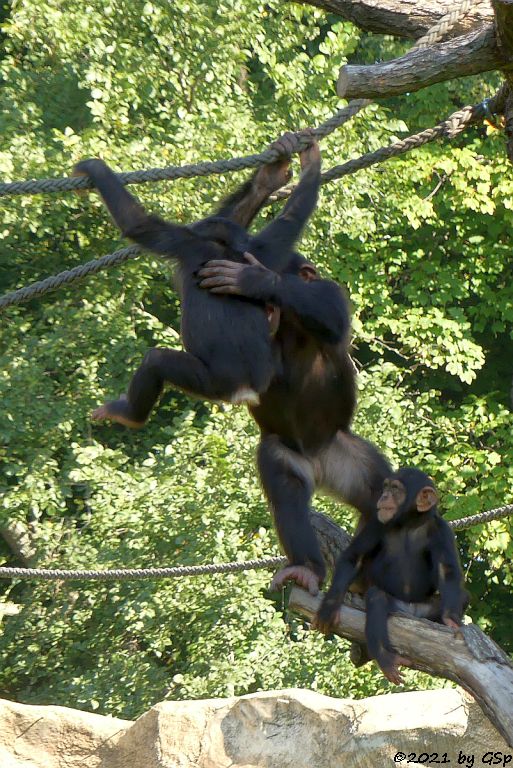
column 147, row 230
column 346, row 570
column 453, row 596
column 320, row 305
column 243, row 205
column 281, row 234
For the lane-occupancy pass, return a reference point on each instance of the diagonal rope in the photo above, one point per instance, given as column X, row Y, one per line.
column 455, row 124
column 438, row 31
column 68, row 276
column 207, row 168
column 482, row 517
column 450, row 128
column 125, row 574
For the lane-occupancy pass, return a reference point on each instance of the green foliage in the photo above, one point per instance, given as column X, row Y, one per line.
column 423, row 244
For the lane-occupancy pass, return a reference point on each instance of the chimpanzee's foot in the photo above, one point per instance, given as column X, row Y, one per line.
column 303, row 576
column 118, row 411
column 391, row 668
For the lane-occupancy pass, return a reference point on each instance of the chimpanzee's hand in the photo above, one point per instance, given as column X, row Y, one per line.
column 327, row 615
column 311, row 156
column 275, row 175
column 252, row 280
column 83, row 168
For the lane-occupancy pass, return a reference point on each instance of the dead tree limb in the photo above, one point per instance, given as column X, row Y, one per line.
column 18, row 539
column 466, row 55
column 469, row 657
column 331, row 537
column 403, row 18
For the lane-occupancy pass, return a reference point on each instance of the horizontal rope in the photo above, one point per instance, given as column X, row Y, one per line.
column 37, row 186
column 482, row 517
column 125, row 574
column 454, row 125
column 122, row 574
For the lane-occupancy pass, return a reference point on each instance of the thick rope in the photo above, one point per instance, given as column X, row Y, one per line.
column 125, row 574
column 439, row 30
column 54, row 282
column 482, row 517
column 450, row 128
column 455, row 124
column 37, row 186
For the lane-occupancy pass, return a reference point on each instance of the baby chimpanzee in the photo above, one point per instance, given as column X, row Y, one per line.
column 408, row 554
column 227, row 338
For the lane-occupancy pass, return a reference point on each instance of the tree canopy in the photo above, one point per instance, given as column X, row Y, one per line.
column 422, row 244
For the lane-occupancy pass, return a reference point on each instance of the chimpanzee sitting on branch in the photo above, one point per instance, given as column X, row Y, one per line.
column 407, row 554
column 228, row 339
column 305, row 414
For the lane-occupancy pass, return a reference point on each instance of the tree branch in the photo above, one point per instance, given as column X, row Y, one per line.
column 18, row 539
column 467, row 55
column 469, row 657
column 504, row 27
column 402, row 18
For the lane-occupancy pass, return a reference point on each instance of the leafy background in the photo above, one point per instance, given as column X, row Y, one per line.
column 422, row 244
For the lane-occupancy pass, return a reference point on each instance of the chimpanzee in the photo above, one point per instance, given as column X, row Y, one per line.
column 405, row 555
column 228, row 340
column 305, row 414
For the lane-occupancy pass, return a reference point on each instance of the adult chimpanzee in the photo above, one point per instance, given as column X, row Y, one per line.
column 305, row 414
column 405, row 555
column 228, row 340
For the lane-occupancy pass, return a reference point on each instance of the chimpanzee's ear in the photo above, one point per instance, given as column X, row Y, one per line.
column 427, row 498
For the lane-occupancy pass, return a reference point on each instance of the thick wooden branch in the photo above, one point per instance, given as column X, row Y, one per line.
column 470, row 658
column 402, row 18
column 467, row 55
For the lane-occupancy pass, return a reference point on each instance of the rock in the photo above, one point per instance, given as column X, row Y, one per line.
column 279, row 729
column 54, row 737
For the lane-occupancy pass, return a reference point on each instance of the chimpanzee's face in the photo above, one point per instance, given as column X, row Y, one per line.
column 394, row 494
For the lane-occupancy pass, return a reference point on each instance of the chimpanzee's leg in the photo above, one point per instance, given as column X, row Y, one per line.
column 287, row 478
column 354, row 470
column 160, row 366
column 378, row 605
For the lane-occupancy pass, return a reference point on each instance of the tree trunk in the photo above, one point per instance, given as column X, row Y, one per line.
column 18, row 539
